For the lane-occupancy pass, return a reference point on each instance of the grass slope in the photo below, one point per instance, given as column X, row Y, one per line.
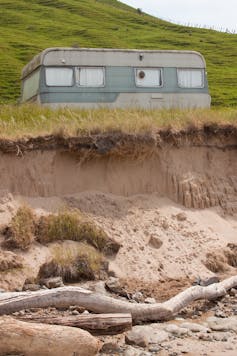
column 28, row 27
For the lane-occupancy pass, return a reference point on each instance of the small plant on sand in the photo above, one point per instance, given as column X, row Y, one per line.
column 72, row 225
column 63, row 226
column 74, row 264
column 216, row 262
column 20, row 233
column 231, row 254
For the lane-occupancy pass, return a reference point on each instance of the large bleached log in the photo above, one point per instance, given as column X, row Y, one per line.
column 96, row 324
column 66, row 296
column 18, row 337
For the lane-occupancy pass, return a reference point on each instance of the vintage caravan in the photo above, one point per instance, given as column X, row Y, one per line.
column 114, row 78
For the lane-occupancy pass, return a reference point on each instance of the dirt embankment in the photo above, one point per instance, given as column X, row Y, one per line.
column 169, row 198
column 194, row 167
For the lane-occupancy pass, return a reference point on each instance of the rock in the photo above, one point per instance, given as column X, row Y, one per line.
column 155, row 242
column 220, row 314
column 54, row 282
column 99, row 287
column 176, row 330
column 195, row 328
column 181, row 217
column 138, row 297
column 221, row 336
column 206, row 281
column 2, row 290
column 233, row 292
column 110, row 348
column 220, row 324
column 147, row 335
column 131, row 351
column 150, row 300
column 113, row 285
column 205, row 337
column 31, row 287
column 137, row 338
column 75, row 312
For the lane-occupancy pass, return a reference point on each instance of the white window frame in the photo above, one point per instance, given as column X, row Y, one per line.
column 191, row 69
column 149, row 68
column 77, row 76
column 54, row 85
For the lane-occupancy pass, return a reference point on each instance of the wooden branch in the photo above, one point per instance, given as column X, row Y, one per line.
column 66, row 296
column 18, row 337
column 96, row 324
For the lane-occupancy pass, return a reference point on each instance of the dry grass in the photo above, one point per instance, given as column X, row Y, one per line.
column 72, row 225
column 20, row 233
column 231, row 254
column 32, row 120
column 9, row 261
column 216, row 262
column 73, row 264
column 64, row 226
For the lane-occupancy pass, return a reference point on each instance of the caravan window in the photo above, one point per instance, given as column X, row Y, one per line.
column 148, row 77
column 90, row 77
column 190, row 78
column 59, row 77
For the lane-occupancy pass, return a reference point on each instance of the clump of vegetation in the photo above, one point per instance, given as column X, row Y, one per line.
column 9, row 261
column 64, row 226
column 71, row 225
column 74, row 264
column 216, row 262
column 231, row 254
column 20, row 233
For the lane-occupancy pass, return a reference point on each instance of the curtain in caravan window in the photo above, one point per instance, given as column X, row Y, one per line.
column 148, row 77
column 90, row 77
column 190, row 78
column 59, row 76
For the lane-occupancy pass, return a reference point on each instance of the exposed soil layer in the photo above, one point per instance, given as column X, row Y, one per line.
column 196, row 167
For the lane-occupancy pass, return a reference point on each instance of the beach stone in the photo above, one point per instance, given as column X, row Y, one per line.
column 149, row 334
column 176, row 330
column 195, row 328
column 221, row 336
column 138, row 297
column 205, row 337
column 131, row 351
column 136, row 337
column 150, row 300
column 32, row 287
column 181, row 217
column 222, row 324
column 54, row 282
column 155, row 242
column 110, row 348
column 113, row 285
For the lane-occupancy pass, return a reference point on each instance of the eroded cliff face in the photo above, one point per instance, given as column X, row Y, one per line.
column 195, row 167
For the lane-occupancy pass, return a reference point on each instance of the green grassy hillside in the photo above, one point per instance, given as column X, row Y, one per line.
column 27, row 27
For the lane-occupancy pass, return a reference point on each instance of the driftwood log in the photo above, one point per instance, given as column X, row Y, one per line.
column 18, row 337
column 66, row 296
column 96, row 324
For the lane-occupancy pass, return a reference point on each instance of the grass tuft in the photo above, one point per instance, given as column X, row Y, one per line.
column 71, row 225
column 74, row 264
column 20, row 233
column 216, row 262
